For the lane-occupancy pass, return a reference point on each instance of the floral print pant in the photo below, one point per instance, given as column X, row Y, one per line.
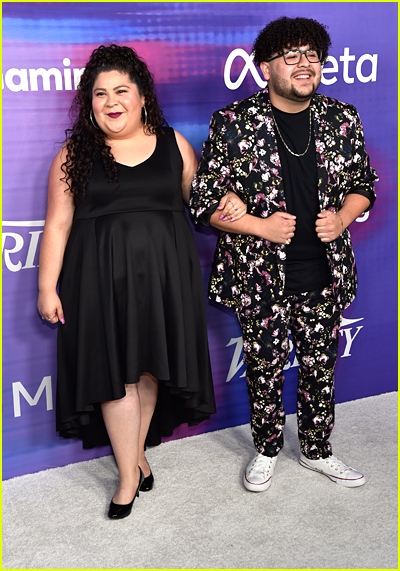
column 314, row 320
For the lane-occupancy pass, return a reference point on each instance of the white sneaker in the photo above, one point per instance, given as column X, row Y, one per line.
column 335, row 470
column 258, row 474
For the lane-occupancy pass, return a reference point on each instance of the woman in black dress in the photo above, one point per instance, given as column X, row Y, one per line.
column 132, row 354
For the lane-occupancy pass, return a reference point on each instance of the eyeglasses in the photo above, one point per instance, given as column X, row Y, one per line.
column 292, row 57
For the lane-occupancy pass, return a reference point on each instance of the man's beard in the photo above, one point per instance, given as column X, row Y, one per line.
column 289, row 91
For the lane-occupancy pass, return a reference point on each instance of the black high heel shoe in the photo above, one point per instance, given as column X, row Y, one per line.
column 119, row 511
column 147, row 483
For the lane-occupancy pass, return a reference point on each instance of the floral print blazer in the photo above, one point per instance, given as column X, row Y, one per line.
column 241, row 154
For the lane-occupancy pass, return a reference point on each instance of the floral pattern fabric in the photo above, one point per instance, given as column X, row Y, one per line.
column 314, row 321
column 241, row 154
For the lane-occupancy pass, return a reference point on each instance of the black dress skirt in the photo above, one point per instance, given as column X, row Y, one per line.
column 133, row 301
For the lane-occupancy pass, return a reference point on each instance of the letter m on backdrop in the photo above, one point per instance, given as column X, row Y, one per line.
column 19, row 389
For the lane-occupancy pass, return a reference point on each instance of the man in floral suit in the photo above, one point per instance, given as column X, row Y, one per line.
column 297, row 161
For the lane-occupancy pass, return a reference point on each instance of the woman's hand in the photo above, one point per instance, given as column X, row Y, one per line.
column 59, row 217
column 50, row 307
column 231, row 207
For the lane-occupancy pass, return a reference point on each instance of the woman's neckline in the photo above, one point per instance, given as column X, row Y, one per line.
column 143, row 162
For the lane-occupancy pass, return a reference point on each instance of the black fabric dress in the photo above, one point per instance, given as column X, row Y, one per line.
column 133, row 300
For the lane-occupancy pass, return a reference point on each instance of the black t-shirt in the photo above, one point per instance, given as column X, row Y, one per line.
column 307, row 266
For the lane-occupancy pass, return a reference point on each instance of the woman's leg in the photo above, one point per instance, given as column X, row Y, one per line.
column 123, row 422
column 148, row 390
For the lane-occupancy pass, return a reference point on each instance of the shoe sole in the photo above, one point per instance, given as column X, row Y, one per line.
column 256, row 487
column 340, row 481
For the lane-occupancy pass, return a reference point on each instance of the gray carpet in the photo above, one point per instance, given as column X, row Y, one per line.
column 199, row 516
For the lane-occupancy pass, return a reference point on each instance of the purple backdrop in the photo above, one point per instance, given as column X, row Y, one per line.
column 199, row 54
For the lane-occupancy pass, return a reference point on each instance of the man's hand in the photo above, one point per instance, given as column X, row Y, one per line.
column 328, row 226
column 279, row 227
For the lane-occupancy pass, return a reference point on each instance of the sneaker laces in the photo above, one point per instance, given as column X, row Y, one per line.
column 337, row 465
column 263, row 464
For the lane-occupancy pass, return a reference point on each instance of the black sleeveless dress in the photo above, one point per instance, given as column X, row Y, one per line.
column 133, row 300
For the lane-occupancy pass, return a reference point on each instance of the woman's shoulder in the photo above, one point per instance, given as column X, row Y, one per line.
column 171, row 137
column 183, row 144
column 177, row 141
column 165, row 132
column 60, row 158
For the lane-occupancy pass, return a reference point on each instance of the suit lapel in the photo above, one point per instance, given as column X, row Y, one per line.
column 318, row 109
column 267, row 132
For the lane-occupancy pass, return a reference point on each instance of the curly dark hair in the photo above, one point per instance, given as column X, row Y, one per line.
column 85, row 142
column 285, row 33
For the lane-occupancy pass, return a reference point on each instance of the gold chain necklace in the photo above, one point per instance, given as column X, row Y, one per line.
column 291, row 152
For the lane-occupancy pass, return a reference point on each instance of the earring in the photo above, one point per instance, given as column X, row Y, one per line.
column 92, row 120
column 145, row 115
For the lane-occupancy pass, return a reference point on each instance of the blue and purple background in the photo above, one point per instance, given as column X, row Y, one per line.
column 186, row 46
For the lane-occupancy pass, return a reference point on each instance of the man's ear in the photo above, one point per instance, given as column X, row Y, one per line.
column 265, row 69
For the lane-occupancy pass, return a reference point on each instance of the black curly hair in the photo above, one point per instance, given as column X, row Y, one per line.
column 285, row 33
column 84, row 142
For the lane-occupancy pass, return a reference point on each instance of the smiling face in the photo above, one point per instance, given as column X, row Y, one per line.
column 291, row 86
column 117, row 104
